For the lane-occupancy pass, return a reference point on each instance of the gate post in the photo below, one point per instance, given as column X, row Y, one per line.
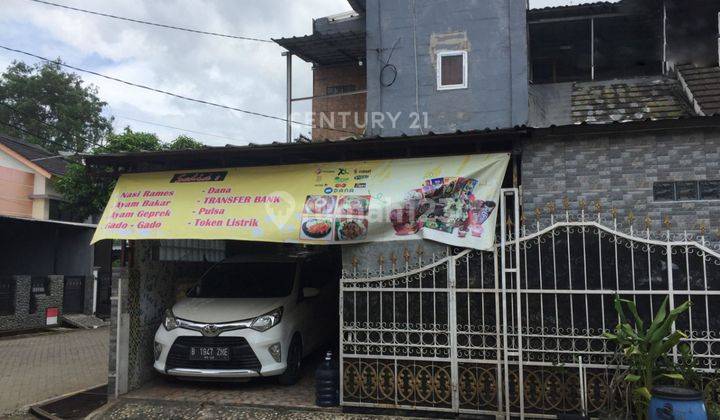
column 671, row 289
column 452, row 321
column 513, row 272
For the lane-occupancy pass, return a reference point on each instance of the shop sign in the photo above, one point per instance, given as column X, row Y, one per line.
column 450, row 199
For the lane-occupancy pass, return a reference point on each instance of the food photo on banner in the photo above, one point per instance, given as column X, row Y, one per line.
column 452, row 200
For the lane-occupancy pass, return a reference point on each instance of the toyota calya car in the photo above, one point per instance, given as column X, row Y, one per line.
column 251, row 316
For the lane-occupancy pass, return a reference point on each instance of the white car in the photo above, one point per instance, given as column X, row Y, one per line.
column 249, row 317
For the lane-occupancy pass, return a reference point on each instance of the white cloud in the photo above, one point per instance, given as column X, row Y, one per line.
column 242, row 74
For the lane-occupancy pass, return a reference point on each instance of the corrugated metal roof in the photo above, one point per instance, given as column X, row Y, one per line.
column 653, row 98
column 327, row 49
column 49, row 161
column 704, row 84
column 572, row 10
column 56, row 222
column 404, row 146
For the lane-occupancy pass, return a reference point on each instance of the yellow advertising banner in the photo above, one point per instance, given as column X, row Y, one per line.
column 450, row 199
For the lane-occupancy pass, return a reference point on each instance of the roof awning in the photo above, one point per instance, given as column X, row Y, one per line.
column 449, row 199
column 327, row 49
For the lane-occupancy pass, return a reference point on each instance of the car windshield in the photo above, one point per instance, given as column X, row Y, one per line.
column 246, row 280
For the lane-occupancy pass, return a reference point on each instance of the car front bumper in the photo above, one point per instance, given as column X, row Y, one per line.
column 259, row 342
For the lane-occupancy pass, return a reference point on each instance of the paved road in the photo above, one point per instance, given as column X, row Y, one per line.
column 39, row 367
column 132, row 409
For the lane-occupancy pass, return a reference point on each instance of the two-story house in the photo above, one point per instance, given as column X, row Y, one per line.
column 606, row 110
column 412, row 68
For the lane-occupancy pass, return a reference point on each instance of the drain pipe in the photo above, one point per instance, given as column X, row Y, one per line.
column 288, row 87
column 94, row 295
column 117, row 337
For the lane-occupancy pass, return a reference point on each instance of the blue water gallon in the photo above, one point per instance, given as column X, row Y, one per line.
column 675, row 403
column 327, row 383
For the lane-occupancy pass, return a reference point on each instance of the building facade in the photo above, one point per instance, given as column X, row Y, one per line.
column 46, row 262
column 612, row 189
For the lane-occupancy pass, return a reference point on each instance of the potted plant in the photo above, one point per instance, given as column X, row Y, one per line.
column 646, row 348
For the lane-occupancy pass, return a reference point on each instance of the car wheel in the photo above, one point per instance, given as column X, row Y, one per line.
column 294, row 360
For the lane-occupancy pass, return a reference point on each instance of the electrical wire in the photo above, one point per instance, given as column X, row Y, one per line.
column 144, row 22
column 175, row 95
column 116, row 116
column 45, row 123
column 179, row 128
column 30, row 134
column 389, row 67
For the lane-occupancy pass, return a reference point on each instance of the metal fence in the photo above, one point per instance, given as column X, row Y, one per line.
column 518, row 331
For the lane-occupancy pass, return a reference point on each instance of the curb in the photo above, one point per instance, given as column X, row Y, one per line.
column 34, row 408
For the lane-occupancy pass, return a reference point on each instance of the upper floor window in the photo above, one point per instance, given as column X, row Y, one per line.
column 451, row 70
column 686, row 190
column 336, row 90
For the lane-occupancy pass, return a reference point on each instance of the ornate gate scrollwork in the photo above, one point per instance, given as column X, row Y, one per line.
column 518, row 330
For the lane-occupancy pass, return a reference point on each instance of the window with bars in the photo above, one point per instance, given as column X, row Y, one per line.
column 39, row 286
column 451, row 70
column 193, row 250
column 686, row 190
column 336, row 90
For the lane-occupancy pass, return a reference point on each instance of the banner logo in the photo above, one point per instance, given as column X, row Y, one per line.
column 199, row 177
column 281, row 211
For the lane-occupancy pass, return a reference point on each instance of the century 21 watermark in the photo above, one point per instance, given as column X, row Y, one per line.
column 363, row 120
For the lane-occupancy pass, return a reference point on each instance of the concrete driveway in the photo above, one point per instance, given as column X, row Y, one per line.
column 46, row 365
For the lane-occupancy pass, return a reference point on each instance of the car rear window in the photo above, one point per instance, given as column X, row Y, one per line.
column 246, row 280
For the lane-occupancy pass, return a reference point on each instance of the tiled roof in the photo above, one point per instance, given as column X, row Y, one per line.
column 653, row 98
column 704, row 85
column 52, row 163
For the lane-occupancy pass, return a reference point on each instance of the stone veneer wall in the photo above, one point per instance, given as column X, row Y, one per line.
column 618, row 170
column 23, row 319
column 152, row 287
column 366, row 258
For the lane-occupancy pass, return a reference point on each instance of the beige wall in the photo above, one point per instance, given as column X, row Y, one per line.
column 19, row 187
column 16, row 187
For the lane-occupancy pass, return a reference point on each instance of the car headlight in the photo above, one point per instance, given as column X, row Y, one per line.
column 170, row 322
column 267, row 321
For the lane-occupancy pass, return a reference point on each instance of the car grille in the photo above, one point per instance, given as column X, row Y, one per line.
column 241, row 354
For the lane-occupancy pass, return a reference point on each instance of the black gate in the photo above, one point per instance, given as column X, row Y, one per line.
column 104, row 286
column 74, row 295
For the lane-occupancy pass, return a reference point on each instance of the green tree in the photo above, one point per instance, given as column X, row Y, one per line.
column 86, row 191
column 183, row 142
column 53, row 105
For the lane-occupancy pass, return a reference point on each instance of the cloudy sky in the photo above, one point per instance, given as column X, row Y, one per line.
column 243, row 74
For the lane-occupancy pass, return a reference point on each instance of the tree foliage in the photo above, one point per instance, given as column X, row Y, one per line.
column 86, row 191
column 58, row 110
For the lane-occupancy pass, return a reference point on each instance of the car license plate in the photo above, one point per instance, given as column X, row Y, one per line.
column 209, row 353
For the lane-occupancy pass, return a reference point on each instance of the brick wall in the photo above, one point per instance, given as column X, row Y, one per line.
column 329, row 76
column 25, row 319
column 619, row 171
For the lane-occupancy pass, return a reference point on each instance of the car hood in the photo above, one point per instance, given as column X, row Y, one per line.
column 218, row 310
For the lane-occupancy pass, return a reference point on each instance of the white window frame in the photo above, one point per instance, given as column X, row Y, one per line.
column 440, row 56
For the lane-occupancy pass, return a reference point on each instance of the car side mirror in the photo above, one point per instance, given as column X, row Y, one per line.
column 310, row 292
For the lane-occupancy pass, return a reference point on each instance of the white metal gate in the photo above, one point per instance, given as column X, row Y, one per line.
column 517, row 331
